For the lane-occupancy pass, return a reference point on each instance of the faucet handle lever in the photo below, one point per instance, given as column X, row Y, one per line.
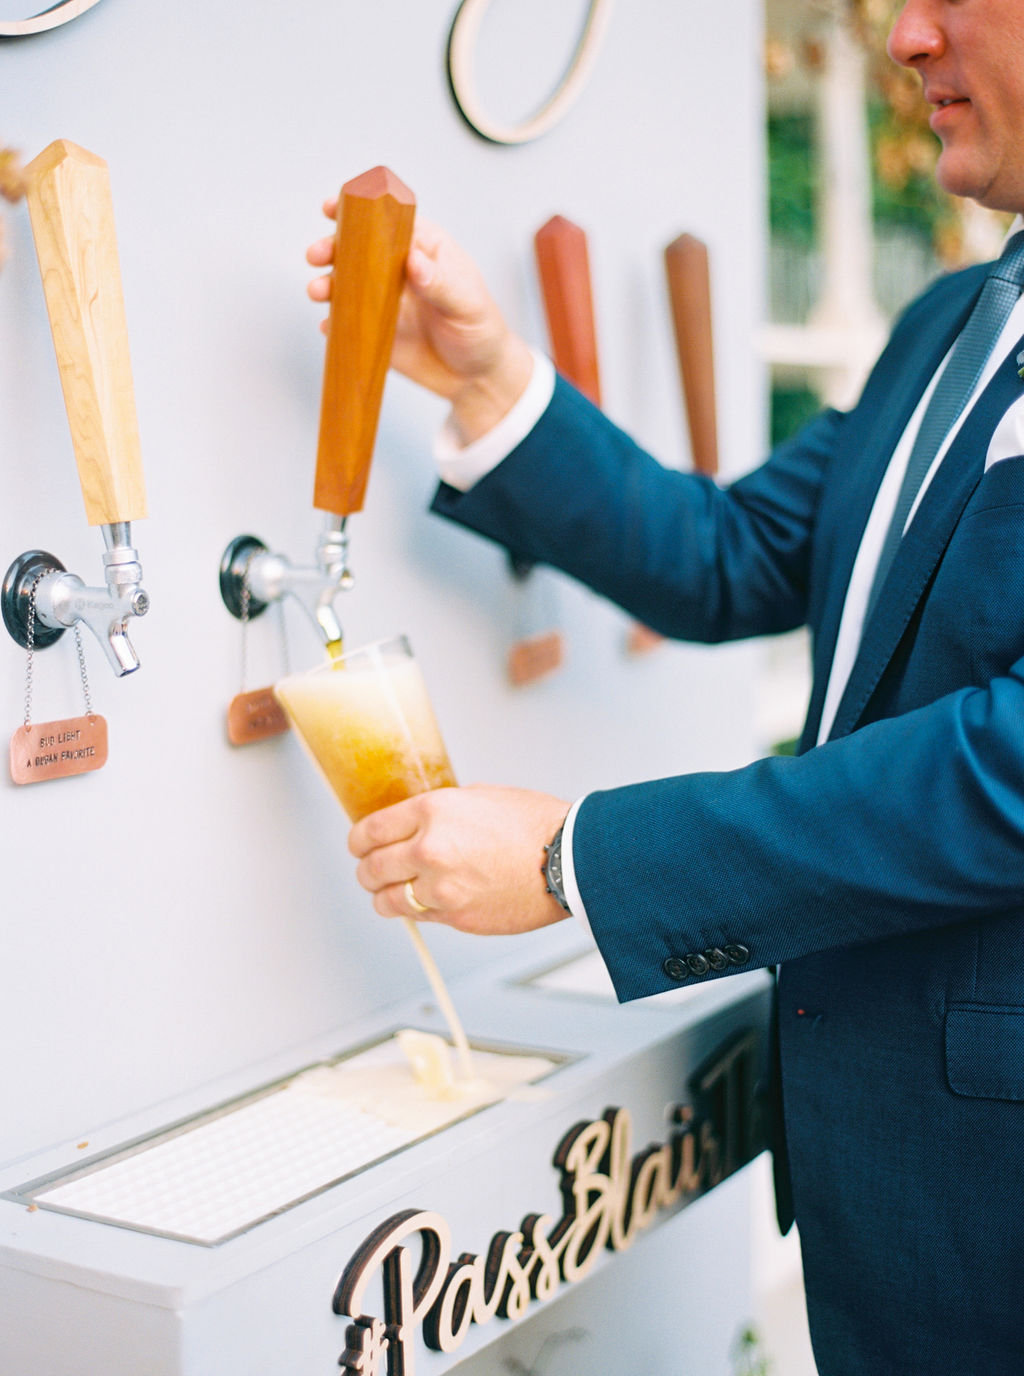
column 375, row 222
column 563, row 266
column 688, row 275
column 72, row 216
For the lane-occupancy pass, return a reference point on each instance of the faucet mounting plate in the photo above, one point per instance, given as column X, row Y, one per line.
column 232, row 575
column 17, row 593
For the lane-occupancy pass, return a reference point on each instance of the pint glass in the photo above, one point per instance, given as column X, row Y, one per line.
column 367, row 721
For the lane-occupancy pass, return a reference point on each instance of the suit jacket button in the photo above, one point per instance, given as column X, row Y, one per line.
column 699, row 965
column 676, row 968
column 738, row 955
column 717, row 958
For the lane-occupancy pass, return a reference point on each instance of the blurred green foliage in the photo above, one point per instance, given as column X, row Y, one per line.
column 908, row 200
column 904, row 196
column 791, row 407
column 791, row 178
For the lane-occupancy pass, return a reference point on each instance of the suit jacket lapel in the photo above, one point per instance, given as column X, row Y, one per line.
column 925, row 542
column 900, row 385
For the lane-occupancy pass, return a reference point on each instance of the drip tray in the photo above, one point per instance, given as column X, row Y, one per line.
column 215, row 1176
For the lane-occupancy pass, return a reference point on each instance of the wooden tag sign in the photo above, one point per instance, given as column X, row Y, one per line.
column 255, row 716
column 535, row 657
column 58, row 749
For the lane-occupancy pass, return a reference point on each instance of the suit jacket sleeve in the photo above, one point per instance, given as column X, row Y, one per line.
column 686, row 557
column 911, row 822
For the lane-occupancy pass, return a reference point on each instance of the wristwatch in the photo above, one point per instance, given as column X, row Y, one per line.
column 552, row 869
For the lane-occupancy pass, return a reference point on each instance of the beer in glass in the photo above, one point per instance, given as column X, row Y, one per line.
column 367, row 720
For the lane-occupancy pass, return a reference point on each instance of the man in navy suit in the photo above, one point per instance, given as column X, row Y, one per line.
column 882, row 868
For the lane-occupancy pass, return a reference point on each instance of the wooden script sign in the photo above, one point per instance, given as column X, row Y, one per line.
column 609, row 1194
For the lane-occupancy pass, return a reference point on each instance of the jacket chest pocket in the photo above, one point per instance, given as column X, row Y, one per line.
column 985, row 1051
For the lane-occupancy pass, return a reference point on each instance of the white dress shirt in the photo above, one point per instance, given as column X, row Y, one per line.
column 461, row 467
column 1007, row 440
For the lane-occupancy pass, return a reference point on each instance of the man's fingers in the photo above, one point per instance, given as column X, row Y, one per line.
column 390, row 825
column 320, row 253
column 449, row 289
column 384, row 868
column 419, row 270
column 319, row 289
column 440, row 272
column 427, row 236
column 393, row 902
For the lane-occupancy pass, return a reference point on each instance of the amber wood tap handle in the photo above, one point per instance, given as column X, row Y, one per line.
column 375, row 221
column 72, row 216
column 563, row 265
column 689, row 287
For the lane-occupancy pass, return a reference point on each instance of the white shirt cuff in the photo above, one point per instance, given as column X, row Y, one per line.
column 460, row 466
column 572, row 891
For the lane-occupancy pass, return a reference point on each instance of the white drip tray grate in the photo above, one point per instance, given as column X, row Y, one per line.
column 217, row 1175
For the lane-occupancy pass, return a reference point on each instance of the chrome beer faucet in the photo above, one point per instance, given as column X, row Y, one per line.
column 61, row 598
column 71, row 209
column 375, row 220
column 271, row 577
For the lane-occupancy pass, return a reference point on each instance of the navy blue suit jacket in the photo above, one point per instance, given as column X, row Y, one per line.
column 883, row 871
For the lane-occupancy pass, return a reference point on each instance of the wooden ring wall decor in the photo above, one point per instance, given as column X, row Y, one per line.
column 462, row 42
column 61, row 13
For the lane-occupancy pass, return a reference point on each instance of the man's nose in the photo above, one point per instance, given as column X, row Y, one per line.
column 917, row 33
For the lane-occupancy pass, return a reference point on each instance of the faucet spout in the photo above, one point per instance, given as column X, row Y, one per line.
column 63, row 599
column 326, row 618
column 119, row 649
column 252, row 577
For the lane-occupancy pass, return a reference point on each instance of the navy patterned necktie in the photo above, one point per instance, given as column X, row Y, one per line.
column 999, row 295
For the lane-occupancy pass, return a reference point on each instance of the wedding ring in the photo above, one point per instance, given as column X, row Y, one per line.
column 413, row 901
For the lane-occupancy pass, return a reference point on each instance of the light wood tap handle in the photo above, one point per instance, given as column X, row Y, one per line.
column 563, row 265
column 72, row 217
column 689, row 287
column 375, row 221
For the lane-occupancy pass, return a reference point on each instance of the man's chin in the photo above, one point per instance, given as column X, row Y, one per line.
column 959, row 177
column 961, row 182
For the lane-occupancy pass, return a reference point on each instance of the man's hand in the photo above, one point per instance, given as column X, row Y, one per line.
column 474, row 857
column 451, row 336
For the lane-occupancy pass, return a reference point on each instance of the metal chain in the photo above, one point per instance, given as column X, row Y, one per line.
column 246, row 599
column 30, row 641
column 246, row 622
column 81, row 669
column 283, row 629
